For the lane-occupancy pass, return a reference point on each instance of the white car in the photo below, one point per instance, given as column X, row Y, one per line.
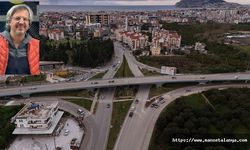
column 132, row 108
column 66, row 132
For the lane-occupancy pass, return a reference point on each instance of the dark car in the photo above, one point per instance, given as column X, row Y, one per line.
column 108, row 106
column 73, row 141
column 131, row 114
column 111, row 81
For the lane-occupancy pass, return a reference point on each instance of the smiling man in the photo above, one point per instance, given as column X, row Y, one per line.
column 19, row 52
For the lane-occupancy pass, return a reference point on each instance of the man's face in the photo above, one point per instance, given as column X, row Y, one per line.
column 19, row 22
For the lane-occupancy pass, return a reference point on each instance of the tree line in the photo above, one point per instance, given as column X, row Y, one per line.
column 89, row 53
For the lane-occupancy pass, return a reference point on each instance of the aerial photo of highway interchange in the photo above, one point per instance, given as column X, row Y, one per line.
column 133, row 79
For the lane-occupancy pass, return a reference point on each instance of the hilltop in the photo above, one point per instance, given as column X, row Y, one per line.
column 204, row 3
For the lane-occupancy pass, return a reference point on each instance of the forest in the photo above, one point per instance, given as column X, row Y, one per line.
column 87, row 53
column 227, row 116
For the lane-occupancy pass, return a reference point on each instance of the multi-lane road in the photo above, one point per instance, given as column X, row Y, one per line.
column 103, row 113
column 105, row 83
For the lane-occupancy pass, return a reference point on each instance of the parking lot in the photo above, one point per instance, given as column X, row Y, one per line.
column 44, row 142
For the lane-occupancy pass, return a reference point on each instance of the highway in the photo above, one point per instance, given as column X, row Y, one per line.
column 137, row 134
column 137, row 108
column 130, row 123
column 105, row 83
column 137, row 63
column 103, row 113
column 103, row 117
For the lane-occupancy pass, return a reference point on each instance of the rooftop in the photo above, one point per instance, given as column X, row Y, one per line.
column 37, row 110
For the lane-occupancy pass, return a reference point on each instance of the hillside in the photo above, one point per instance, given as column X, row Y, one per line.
column 204, row 3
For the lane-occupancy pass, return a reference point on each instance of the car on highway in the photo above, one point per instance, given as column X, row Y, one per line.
column 94, row 82
column 136, row 101
column 81, row 112
column 131, row 114
column 161, row 98
column 111, row 81
column 173, row 77
column 32, row 88
column 202, row 77
column 132, row 108
column 108, row 106
column 162, row 101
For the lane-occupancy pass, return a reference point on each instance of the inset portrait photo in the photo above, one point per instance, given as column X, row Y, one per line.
column 19, row 44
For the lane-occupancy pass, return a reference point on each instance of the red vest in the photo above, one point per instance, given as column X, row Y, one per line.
column 32, row 54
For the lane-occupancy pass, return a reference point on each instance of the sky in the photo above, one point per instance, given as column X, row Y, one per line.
column 116, row 2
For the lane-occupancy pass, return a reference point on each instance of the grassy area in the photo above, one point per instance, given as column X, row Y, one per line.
column 6, row 128
column 98, row 76
column 125, row 92
column 120, row 110
column 196, row 101
column 86, row 103
column 124, row 70
column 149, row 73
column 182, row 63
column 79, row 93
column 245, row 49
column 154, row 91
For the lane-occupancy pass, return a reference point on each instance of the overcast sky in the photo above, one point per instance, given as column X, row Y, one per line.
column 117, row 2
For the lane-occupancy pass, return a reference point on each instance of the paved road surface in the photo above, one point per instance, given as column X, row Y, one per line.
column 137, row 135
column 104, row 83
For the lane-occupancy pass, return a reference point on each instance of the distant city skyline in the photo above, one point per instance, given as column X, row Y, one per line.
column 116, row 2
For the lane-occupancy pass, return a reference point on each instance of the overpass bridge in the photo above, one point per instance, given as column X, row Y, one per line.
column 104, row 83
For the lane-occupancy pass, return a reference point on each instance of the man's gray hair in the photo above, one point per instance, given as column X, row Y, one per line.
column 12, row 11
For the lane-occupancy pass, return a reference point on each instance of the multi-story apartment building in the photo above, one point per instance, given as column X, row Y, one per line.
column 134, row 40
column 103, row 19
column 164, row 39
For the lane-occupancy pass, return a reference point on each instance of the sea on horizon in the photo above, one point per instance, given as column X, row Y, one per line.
column 65, row 8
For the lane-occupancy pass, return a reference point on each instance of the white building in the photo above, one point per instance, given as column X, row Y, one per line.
column 168, row 70
column 56, row 34
column 37, row 116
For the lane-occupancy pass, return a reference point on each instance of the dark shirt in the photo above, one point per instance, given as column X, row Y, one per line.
column 18, row 60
